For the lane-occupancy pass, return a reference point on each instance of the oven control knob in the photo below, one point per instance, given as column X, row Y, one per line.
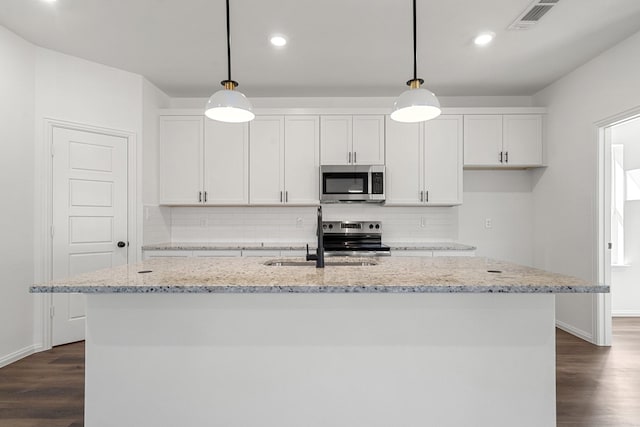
column 330, row 226
column 370, row 226
column 324, row 225
column 377, row 226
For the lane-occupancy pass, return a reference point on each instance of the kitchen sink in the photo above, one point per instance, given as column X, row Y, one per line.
column 347, row 263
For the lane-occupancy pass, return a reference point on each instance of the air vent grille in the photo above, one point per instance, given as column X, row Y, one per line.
column 534, row 12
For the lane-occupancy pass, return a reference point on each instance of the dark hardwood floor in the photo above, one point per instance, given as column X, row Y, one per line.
column 599, row 386
column 596, row 386
column 45, row 389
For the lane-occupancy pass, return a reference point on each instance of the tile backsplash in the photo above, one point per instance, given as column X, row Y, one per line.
column 252, row 224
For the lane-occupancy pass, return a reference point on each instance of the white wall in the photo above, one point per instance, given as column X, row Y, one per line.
column 156, row 223
column 506, row 199
column 75, row 90
column 625, row 281
column 17, row 58
column 565, row 195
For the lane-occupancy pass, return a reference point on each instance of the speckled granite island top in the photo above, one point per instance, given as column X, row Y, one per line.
column 388, row 275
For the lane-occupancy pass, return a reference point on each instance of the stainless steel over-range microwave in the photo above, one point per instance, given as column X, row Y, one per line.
column 352, row 183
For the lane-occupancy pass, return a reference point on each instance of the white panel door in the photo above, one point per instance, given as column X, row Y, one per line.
column 336, row 136
column 522, row 139
column 226, row 163
column 181, row 163
column 443, row 160
column 266, row 168
column 368, row 140
column 89, row 217
column 302, row 159
column 404, row 178
column 482, row 139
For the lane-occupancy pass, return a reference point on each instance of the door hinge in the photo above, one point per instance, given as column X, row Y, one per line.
column 53, row 230
column 52, row 311
column 609, row 245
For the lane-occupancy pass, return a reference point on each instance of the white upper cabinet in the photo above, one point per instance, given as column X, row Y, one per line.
column 203, row 161
column 266, row 144
column 336, row 133
column 302, row 159
column 226, row 163
column 404, row 170
column 443, row 159
column 510, row 140
column 368, row 140
column 482, row 139
column 522, row 139
column 424, row 162
column 181, row 161
column 284, row 160
column 350, row 140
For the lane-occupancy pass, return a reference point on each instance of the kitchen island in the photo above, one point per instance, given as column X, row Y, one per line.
column 405, row 342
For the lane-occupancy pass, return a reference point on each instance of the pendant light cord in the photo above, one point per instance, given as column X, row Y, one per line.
column 229, row 42
column 415, row 55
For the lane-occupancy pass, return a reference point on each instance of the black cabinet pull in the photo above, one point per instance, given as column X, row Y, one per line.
column 501, row 157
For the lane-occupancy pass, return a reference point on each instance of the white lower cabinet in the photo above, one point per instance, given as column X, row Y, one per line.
column 284, row 160
column 166, row 254
column 424, row 162
column 431, row 253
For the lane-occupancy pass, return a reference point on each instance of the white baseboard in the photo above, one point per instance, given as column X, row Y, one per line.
column 17, row 355
column 625, row 313
column 575, row 331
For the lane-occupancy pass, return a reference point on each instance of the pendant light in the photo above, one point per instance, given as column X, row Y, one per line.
column 229, row 105
column 416, row 104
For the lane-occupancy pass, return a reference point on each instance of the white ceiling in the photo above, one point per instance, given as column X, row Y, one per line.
column 336, row 47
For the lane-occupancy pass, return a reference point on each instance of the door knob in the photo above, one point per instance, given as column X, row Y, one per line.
column 121, row 244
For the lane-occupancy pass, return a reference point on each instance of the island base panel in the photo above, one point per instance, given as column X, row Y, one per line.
column 320, row 360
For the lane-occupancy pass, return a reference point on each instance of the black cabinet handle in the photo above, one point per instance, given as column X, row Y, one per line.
column 506, row 157
column 501, row 157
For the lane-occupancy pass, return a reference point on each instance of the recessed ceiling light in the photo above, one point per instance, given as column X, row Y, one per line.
column 484, row 39
column 278, row 41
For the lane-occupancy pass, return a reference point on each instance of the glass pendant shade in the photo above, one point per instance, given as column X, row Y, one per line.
column 229, row 106
column 415, row 105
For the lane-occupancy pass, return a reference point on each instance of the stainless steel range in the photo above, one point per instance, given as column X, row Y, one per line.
column 355, row 238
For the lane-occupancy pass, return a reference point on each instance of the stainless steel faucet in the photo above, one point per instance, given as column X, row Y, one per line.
column 319, row 255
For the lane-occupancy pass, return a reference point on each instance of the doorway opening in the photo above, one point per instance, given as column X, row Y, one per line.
column 619, row 221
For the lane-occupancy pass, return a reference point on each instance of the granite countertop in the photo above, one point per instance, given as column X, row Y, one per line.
column 389, row 275
column 203, row 246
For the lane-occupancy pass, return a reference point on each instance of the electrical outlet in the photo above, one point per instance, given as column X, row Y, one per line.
column 488, row 223
column 299, row 222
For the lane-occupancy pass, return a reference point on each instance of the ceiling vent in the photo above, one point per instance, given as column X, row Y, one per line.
column 532, row 14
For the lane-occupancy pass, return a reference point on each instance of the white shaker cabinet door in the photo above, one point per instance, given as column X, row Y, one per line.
column 522, row 141
column 226, row 163
column 443, row 160
column 266, row 169
column 301, row 159
column 482, row 139
column 336, row 134
column 368, row 140
column 181, row 163
column 404, row 178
